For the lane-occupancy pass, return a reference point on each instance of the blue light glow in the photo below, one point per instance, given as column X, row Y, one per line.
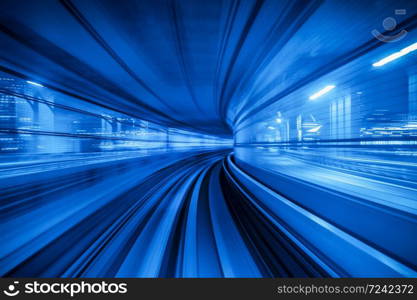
column 322, row 92
column 34, row 83
column 395, row 55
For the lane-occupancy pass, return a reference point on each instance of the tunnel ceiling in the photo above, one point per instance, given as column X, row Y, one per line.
column 205, row 65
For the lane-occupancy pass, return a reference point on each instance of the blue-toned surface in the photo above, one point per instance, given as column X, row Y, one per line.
column 166, row 138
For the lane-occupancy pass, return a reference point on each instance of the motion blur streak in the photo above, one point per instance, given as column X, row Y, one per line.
column 167, row 138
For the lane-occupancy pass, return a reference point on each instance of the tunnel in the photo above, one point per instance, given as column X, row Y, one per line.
column 207, row 139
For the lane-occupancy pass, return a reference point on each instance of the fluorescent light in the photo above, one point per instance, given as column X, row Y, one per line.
column 315, row 129
column 278, row 120
column 396, row 55
column 322, row 92
column 34, row 83
column 271, row 127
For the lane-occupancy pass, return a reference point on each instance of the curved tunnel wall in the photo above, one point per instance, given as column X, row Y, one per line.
column 208, row 139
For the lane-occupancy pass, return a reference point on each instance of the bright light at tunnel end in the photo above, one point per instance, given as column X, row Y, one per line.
column 322, row 92
column 395, row 55
column 34, row 83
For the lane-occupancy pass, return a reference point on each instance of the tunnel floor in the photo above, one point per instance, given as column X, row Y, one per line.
column 197, row 213
column 186, row 219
